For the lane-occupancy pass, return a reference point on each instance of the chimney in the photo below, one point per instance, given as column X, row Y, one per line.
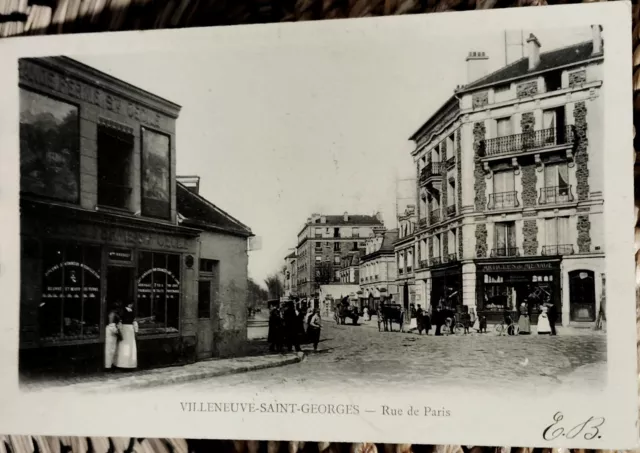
column 346, row 217
column 533, row 47
column 596, row 33
column 477, row 66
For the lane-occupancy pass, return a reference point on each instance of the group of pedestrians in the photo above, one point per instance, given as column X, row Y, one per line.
column 291, row 325
column 120, row 349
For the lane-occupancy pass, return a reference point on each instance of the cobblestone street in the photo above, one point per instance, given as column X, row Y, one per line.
column 360, row 355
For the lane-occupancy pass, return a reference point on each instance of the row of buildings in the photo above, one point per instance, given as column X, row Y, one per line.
column 105, row 221
column 508, row 202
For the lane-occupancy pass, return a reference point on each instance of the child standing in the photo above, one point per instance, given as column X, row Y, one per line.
column 111, row 340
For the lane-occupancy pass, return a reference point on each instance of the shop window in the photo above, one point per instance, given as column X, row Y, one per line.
column 115, row 153
column 71, row 303
column 204, row 299
column 158, row 302
column 156, row 174
column 49, row 147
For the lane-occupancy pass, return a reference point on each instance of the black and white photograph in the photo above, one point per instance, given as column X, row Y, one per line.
column 380, row 210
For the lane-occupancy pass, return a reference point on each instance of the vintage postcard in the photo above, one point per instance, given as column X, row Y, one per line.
column 396, row 229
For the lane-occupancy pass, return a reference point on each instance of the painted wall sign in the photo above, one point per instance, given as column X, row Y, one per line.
column 510, row 267
column 120, row 255
column 83, row 92
column 118, row 236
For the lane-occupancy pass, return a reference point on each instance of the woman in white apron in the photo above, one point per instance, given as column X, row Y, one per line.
column 127, row 354
column 544, row 328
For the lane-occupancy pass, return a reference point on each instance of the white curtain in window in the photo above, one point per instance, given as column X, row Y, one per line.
column 563, row 230
column 551, row 231
column 504, row 181
column 505, row 235
column 548, row 119
column 504, row 127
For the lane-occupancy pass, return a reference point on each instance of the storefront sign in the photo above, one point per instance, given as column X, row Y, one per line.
column 515, row 267
column 119, row 236
column 120, row 255
column 86, row 93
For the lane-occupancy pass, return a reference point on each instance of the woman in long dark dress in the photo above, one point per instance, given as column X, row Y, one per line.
column 524, row 323
column 275, row 330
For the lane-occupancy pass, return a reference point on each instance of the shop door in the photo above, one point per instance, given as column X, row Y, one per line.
column 582, row 296
column 119, row 288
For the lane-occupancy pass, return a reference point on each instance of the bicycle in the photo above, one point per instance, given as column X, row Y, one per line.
column 502, row 328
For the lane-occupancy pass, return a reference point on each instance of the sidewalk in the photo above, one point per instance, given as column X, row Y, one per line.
column 167, row 376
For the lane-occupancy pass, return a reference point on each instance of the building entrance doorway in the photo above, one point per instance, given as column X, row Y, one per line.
column 582, row 296
column 119, row 288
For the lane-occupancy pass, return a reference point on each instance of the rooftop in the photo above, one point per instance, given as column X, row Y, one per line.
column 199, row 212
column 550, row 60
column 351, row 220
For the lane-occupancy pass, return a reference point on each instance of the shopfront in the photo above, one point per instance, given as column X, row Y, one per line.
column 446, row 287
column 78, row 267
column 504, row 286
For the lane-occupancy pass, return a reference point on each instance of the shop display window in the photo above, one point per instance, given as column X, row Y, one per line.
column 70, row 304
column 158, row 301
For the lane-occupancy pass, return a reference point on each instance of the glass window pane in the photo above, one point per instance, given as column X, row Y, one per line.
column 511, row 235
column 49, row 147
column 173, row 290
column 501, row 237
column 72, row 308
column 551, row 231
column 550, row 176
column 563, row 230
column 50, row 308
column 155, row 174
column 145, row 282
column 91, row 292
column 563, row 176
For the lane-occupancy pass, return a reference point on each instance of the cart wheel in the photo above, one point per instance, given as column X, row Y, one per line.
column 500, row 329
column 516, row 329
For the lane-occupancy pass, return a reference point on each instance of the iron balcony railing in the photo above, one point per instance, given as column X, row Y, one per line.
column 452, row 257
column 503, row 200
column 434, row 216
column 451, row 162
column 527, row 141
column 505, row 252
column 556, row 250
column 436, row 261
column 423, row 264
column 554, row 195
column 432, row 170
column 451, row 210
column 422, row 222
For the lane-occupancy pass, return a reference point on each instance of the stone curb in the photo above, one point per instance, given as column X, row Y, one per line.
column 163, row 379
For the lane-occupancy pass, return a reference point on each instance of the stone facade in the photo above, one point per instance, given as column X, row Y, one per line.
column 430, row 247
column 481, row 240
column 528, row 122
column 445, row 245
column 581, row 155
column 530, row 233
column 529, row 193
column 480, row 99
column 526, row 89
column 480, row 183
column 460, row 244
column 584, row 234
column 577, row 78
column 459, row 167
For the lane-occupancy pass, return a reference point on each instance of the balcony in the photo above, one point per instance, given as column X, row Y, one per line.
column 527, row 141
column 503, row 200
column 451, row 162
column 557, row 250
column 555, row 195
column 434, row 216
column 436, row 261
column 452, row 257
column 431, row 171
column 505, row 252
column 423, row 264
column 451, row 210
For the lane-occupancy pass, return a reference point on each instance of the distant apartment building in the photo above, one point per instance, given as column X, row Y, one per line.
column 290, row 275
column 322, row 243
column 510, row 187
column 405, row 253
column 350, row 268
column 378, row 270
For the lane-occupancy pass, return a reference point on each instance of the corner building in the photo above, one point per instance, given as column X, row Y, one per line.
column 100, row 225
column 510, row 187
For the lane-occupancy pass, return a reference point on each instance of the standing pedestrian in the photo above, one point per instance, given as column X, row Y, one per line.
column 524, row 323
column 275, row 330
column 315, row 327
column 544, row 327
column 419, row 319
column 291, row 327
column 437, row 319
column 365, row 314
column 127, row 351
column 112, row 336
column 553, row 317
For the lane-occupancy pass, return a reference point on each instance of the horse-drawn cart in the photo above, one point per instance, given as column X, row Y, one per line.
column 388, row 314
column 343, row 310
